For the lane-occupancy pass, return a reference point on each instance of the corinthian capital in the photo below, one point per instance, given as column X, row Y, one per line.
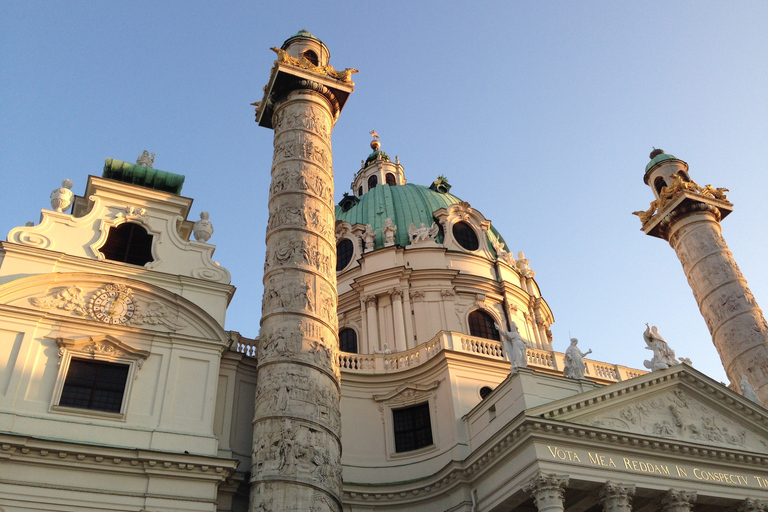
column 548, row 491
column 678, row 501
column 617, row 497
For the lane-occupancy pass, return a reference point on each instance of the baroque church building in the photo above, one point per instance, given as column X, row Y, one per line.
column 404, row 362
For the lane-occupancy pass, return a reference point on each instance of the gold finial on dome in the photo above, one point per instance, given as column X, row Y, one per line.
column 375, row 144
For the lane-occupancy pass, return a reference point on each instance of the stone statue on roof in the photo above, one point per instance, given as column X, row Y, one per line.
column 748, row 392
column 145, row 159
column 574, row 361
column 663, row 355
column 514, row 346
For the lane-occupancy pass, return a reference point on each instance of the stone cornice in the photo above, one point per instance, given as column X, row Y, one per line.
column 77, row 456
column 524, row 430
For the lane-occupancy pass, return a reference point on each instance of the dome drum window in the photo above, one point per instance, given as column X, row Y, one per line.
column 345, row 251
column 465, row 236
column 481, row 325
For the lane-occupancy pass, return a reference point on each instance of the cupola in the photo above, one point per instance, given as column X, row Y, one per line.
column 304, row 45
column 377, row 169
column 660, row 168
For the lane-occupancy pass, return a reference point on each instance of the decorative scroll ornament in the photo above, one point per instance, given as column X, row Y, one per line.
column 61, row 198
column 677, row 187
column 68, row 299
column 304, row 63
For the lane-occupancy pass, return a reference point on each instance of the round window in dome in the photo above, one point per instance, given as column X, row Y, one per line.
column 344, row 252
column 465, row 236
column 485, row 391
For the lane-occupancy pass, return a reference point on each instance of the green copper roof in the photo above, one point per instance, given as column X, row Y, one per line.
column 375, row 155
column 143, row 176
column 659, row 158
column 301, row 33
column 404, row 204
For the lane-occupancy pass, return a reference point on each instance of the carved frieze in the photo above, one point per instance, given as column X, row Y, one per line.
column 288, row 252
column 295, row 295
column 113, row 303
column 675, row 415
column 314, row 217
column 303, row 146
column 292, row 449
column 302, row 117
column 291, row 176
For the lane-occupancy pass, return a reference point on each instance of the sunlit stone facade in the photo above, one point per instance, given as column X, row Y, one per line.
column 379, row 381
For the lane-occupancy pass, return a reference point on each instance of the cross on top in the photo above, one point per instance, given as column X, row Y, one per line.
column 374, row 134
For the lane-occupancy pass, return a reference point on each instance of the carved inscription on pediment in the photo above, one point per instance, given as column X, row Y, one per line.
column 675, row 415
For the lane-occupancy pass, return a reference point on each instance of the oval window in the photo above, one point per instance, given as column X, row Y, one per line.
column 465, row 236
column 344, row 252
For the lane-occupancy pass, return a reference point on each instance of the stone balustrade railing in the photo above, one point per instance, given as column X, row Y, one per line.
column 538, row 359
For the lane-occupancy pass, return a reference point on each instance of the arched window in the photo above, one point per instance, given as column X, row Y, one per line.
column 311, row 57
column 391, row 179
column 481, row 325
column 344, row 252
column 360, row 191
column 659, row 184
column 128, row 243
column 373, row 180
column 348, row 341
column 465, row 236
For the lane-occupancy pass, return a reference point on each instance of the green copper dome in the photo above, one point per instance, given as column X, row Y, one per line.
column 404, row 204
column 659, row 158
column 375, row 156
column 143, row 176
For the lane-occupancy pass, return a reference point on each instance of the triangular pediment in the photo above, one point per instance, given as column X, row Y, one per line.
column 678, row 404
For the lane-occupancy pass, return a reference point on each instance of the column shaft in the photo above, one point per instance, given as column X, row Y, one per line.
column 397, row 313
column 297, row 427
column 735, row 321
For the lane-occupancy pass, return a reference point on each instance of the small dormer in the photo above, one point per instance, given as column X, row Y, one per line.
column 304, row 45
column 377, row 169
column 660, row 168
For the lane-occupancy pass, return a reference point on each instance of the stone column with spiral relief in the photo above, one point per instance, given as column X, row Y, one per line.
column 296, row 461
column 688, row 217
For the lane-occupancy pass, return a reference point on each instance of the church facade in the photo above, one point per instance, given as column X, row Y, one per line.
column 383, row 377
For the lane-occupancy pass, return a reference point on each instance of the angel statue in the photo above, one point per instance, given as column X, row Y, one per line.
column 748, row 392
column 146, row 160
column 514, row 346
column 574, row 361
column 663, row 356
column 422, row 232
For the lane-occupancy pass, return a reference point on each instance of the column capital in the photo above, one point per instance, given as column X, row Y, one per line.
column 548, row 491
column 617, row 497
column 678, row 501
column 370, row 300
column 752, row 505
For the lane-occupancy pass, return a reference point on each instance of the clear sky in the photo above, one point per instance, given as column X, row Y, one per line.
column 541, row 114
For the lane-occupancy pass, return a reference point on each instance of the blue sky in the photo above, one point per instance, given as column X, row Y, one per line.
column 541, row 114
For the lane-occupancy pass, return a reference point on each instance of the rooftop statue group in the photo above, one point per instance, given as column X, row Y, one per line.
column 663, row 355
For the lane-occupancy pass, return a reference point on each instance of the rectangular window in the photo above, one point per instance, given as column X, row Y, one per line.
column 413, row 428
column 94, row 385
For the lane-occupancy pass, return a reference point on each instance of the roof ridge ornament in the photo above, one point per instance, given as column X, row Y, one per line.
column 146, row 160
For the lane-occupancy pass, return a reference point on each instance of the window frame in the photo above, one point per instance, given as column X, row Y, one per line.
column 106, row 349
column 424, row 408
column 402, row 397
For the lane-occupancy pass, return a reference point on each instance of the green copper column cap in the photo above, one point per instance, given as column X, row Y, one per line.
column 148, row 177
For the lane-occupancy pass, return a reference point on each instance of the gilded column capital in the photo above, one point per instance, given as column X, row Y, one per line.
column 548, row 491
column 678, row 501
column 617, row 497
